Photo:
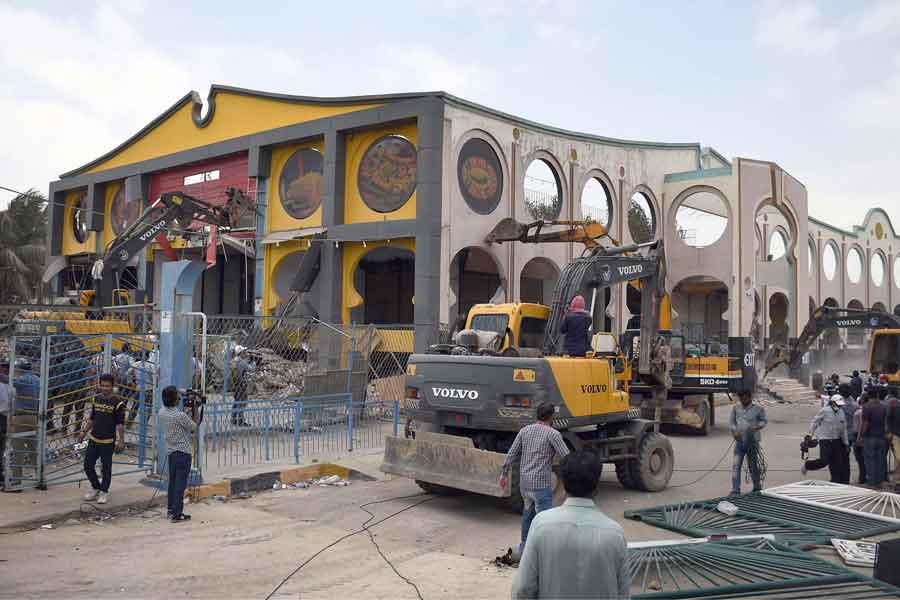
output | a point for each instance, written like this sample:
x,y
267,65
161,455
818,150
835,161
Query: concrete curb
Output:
x,y
264,481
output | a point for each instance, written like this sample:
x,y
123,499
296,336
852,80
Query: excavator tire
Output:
x,y
654,464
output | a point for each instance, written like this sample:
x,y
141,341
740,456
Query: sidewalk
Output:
x,y
30,509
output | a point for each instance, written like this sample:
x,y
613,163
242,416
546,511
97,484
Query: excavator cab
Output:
x,y
884,354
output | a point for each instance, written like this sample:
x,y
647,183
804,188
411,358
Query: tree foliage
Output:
x,y
639,224
23,234
543,206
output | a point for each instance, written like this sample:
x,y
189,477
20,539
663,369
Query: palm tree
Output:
x,y
23,231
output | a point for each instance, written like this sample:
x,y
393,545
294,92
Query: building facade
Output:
x,y
401,190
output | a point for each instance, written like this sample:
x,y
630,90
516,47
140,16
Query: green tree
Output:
x,y
543,206
23,235
639,224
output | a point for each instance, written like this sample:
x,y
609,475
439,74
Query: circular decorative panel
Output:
x,y
121,213
387,173
80,218
300,183
480,176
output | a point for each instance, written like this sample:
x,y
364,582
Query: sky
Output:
x,y
813,86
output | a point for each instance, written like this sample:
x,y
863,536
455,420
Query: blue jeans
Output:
x,y
740,451
535,502
179,469
875,455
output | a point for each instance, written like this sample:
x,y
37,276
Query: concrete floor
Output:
x,y
244,548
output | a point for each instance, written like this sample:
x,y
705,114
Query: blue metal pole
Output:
x,y
350,388
266,421
396,417
297,408
142,427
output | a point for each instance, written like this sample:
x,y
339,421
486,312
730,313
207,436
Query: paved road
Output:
x,y
243,548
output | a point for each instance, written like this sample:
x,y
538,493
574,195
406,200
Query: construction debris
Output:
x,y
857,554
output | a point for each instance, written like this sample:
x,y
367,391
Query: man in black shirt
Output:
x,y
106,429
872,434
577,328
856,385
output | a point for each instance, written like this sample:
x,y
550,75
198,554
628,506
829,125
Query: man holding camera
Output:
x,y
179,434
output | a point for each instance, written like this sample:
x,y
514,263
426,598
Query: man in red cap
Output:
x,y
576,326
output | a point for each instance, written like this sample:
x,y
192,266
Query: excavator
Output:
x,y
468,401
884,352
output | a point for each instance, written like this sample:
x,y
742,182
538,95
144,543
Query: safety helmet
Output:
x,y
837,399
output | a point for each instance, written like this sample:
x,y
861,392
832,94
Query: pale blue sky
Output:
x,y
812,86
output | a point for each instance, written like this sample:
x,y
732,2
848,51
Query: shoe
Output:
x,y
103,498
91,495
181,517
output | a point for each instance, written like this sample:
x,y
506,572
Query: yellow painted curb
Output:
x,y
208,490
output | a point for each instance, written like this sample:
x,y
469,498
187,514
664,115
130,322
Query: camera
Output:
x,y
192,398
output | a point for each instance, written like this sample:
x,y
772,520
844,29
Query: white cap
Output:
x,y
838,399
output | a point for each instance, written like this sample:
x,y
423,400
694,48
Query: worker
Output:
x,y
892,428
830,427
575,551
747,421
872,435
857,441
576,326
178,429
856,385
850,407
106,427
534,448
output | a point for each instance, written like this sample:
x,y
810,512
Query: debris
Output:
x,y
855,553
220,498
73,522
301,485
510,559
47,526
276,485
330,480
727,508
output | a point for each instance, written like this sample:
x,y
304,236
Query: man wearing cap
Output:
x,y
830,427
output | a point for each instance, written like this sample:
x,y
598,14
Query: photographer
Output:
x,y
179,431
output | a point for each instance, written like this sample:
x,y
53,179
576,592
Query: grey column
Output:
x,y
428,224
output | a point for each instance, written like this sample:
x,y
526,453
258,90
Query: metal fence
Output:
x,y
55,378
277,389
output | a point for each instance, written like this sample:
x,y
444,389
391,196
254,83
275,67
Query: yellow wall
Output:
x,y
70,245
111,190
353,253
278,217
274,253
236,115
355,210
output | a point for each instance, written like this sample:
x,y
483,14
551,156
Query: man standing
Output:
x,y
575,551
893,429
850,407
872,433
830,427
856,385
534,448
179,431
747,420
106,428
576,326
856,440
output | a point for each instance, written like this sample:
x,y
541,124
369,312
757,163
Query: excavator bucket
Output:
x,y
448,460
507,230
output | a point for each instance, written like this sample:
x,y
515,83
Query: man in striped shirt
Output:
x,y
534,448
179,431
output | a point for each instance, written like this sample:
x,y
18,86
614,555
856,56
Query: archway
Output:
x,y
474,279
285,271
832,337
385,278
700,303
538,280
778,310
856,337
879,306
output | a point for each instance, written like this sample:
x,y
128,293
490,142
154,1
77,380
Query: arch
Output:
x,y
778,314
790,216
719,225
700,303
558,174
879,306
856,337
475,277
538,280
487,137
856,252
603,179
642,192
812,258
878,268
385,279
831,260
779,242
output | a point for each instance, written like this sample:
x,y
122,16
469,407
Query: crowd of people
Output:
x,y
862,420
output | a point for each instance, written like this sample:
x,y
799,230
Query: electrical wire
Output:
x,y
708,472
364,528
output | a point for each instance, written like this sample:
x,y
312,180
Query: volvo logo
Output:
x,y
631,270
849,322
152,231
439,392
593,388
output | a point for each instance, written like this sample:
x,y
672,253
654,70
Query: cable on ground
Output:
x,y
707,472
364,528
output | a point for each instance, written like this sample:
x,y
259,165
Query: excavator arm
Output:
x,y
826,318
541,232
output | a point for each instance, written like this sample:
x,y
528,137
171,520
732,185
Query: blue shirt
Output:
x,y
28,392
